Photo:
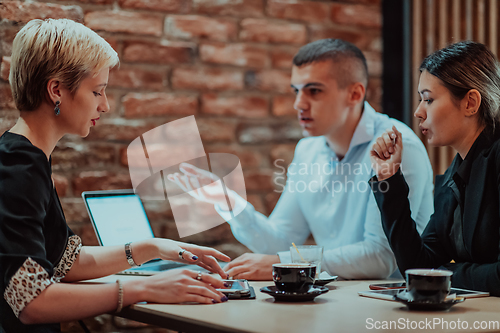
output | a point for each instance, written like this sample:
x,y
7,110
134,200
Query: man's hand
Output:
x,y
252,266
202,185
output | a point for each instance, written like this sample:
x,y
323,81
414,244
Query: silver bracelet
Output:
x,y
120,296
128,253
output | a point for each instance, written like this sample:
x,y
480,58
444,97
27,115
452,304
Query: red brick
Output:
x,y
207,79
7,120
159,153
282,57
129,77
242,8
217,235
374,62
216,130
279,177
281,156
257,203
365,2
170,6
286,130
123,156
376,44
61,184
126,22
100,180
194,26
112,42
87,234
95,2
265,31
249,158
158,210
235,54
138,105
273,80
6,100
258,180
283,105
374,93
240,106
362,39
69,156
309,11
271,199
5,68
163,53
75,213
112,102
357,15
117,129
7,35
18,11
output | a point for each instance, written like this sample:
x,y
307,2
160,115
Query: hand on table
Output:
x,y
198,255
386,153
179,286
202,185
252,266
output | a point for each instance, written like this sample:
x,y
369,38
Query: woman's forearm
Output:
x,y
98,261
66,301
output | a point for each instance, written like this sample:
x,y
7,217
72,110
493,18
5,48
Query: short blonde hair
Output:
x,y
55,49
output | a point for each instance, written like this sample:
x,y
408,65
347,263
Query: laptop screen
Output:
x,y
118,219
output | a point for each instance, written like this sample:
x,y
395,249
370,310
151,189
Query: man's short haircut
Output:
x,y
55,49
353,63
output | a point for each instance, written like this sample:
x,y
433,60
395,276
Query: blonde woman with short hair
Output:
x,y
59,73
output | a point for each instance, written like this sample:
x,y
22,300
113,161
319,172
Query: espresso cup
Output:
x,y
294,277
428,285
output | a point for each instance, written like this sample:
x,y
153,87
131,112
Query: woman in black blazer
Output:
x,y
58,75
460,99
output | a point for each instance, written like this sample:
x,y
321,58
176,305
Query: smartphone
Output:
x,y
383,286
236,289
387,294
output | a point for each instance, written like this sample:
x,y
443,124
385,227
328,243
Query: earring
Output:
x,y
57,111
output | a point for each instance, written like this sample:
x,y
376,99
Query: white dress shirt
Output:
x,y
332,200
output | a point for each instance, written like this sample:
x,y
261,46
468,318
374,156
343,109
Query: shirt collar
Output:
x,y
365,130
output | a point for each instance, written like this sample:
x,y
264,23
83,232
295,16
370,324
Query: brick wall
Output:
x,y
225,61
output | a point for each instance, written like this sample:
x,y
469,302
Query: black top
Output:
x,y
465,226
32,223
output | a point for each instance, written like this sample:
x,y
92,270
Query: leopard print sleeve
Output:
x,y
70,254
31,278
24,286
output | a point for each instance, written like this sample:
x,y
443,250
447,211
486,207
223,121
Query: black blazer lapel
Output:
x,y
473,202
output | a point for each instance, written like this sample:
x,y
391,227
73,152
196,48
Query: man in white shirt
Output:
x,y
327,192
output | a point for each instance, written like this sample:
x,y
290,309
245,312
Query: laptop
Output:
x,y
118,217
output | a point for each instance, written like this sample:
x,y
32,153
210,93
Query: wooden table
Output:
x,y
339,310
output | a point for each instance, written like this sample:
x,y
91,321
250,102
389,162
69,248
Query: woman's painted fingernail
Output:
x,y
226,284
224,298
194,257
227,276
214,301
